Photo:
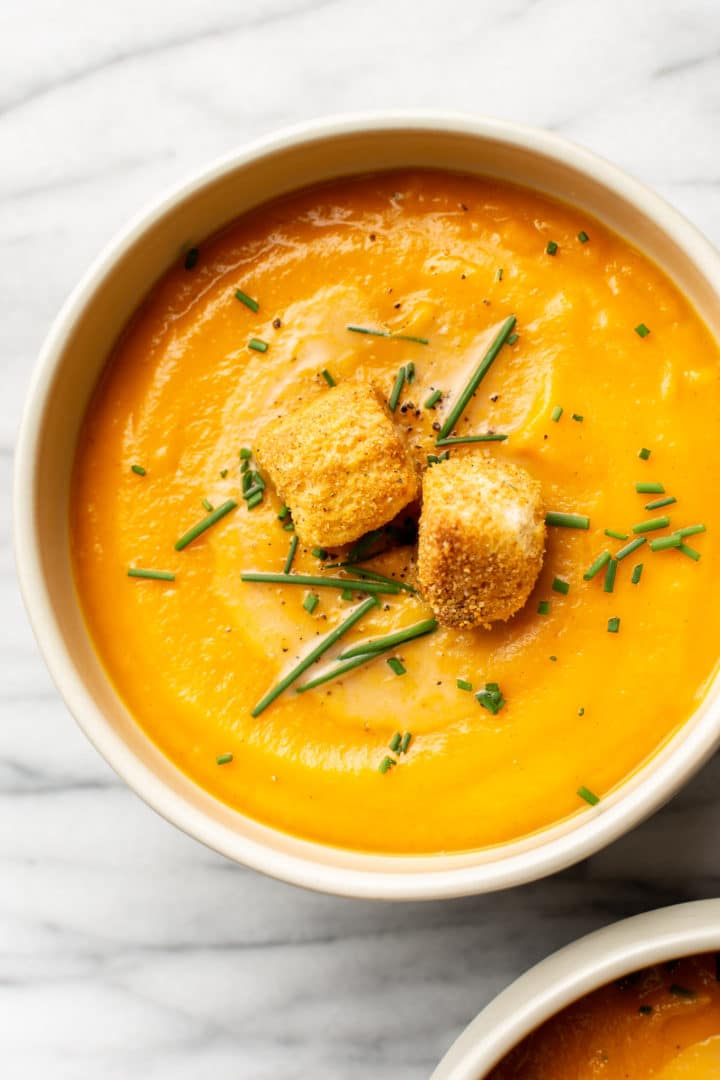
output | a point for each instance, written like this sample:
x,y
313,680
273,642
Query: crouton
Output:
x,y
339,464
481,540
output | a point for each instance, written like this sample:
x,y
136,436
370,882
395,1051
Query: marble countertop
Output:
x,y
125,948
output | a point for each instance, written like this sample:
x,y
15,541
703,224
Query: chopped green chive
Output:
x,y
389,641
433,399
247,481
254,500
251,489
206,505
544,607
690,552
206,523
667,501
346,594
152,575
396,390
245,453
664,542
311,601
491,698
463,684
289,527
387,762
435,459
335,672
319,553
405,742
224,759
283,512
560,586
458,440
645,487
290,555
637,573
328,377
257,345
597,566
245,465
387,334
372,575
513,338
644,453
499,274
578,417
551,248
556,413
583,237
191,258
395,742
642,330
478,375
396,666
609,583
690,530
588,795
410,372
652,523
567,521
139,470
613,626
326,643
629,548
246,300
615,534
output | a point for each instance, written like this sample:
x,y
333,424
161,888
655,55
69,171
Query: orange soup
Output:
x,y
663,1022
607,392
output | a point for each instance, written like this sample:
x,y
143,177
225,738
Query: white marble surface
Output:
x,y
125,948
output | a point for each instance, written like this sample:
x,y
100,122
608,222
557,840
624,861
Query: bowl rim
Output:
x,y
584,965
313,867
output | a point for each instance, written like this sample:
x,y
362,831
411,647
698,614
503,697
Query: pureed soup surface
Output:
x,y
446,258
663,1022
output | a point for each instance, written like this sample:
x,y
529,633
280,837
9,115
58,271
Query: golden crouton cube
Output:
x,y
481,540
339,464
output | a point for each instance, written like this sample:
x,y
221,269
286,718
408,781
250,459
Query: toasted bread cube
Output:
x,y
481,540
339,464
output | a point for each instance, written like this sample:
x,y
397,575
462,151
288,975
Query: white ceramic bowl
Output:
x,y
71,361
617,950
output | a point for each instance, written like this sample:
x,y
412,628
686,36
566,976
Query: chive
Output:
x,y
310,602
690,552
257,345
335,672
667,501
597,566
244,466
578,417
651,523
613,626
644,487
319,553
247,481
499,274
491,698
255,500
642,330
433,399
405,742
616,535
629,548
191,258
283,512
588,795
395,742
682,991
396,390
327,642
387,762
245,453
139,470
567,521
246,300
363,545
478,375
396,666
152,575
206,505
372,575
662,543
410,372
637,573
644,453
290,555
609,583
223,759
289,527
560,586
389,641
328,377
556,413
544,607
690,530
513,338
551,248
346,594
463,684
458,440
206,523
250,488
387,334
583,237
